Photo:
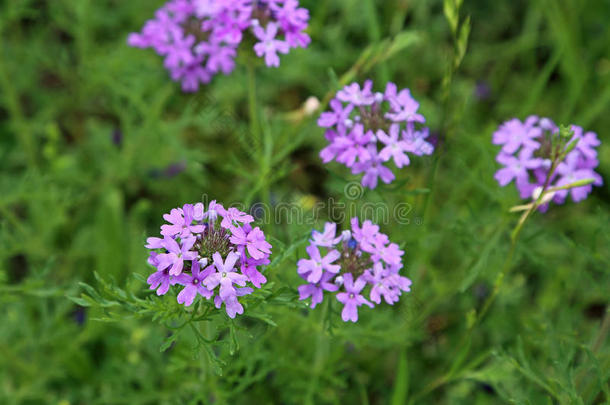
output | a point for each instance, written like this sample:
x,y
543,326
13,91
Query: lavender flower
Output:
x,y
252,240
213,253
193,284
315,266
359,259
527,154
366,130
351,298
199,38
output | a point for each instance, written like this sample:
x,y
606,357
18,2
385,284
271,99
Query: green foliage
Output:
x,y
96,143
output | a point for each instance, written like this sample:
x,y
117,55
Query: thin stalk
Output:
x,y
255,132
319,357
459,360
263,147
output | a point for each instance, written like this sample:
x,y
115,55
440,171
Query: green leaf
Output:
x,y
79,301
265,318
289,250
451,14
168,342
462,42
401,381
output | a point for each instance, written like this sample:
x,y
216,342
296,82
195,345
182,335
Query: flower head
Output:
x,y
201,252
530,156
359,259
199,38
367,130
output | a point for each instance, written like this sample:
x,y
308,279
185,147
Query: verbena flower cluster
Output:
x,y
214,253
351,263
526,154
199,38
366,129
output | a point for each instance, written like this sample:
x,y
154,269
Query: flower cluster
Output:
x,y
199,38
528,150
366,130
348,263
214,253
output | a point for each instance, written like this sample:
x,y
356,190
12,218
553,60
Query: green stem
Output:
x,y
255,132
319,357
459,360
263,147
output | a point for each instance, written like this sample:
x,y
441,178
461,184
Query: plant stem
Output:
x,y
319,357
253,109
458,361
262,143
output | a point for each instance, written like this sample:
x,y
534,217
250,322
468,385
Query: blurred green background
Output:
x,y
97,143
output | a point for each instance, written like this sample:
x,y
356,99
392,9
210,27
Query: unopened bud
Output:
x,y
548,196
311,105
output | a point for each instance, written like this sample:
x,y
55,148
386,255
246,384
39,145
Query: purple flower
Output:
x,y
353,146
159,280
386,284
193,284
513,134
338,116
268,45
250,269
404,108
373,170
366,235
517,169
234,215
198,212
326,238
390,254
362,252
207,8
395,148
199,38
176,255
232,305
316,265
316,290
416,141
527,153
221,58
351,298
362,122
214,210
154,243
180,54
253,241
572,170
181,221
191,76
356,96
198,237
586,143
225,275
